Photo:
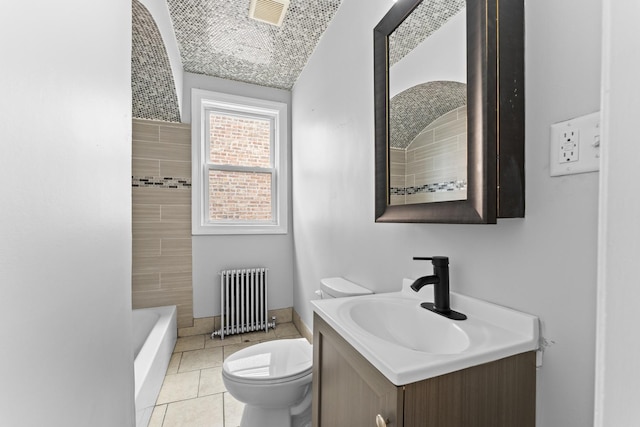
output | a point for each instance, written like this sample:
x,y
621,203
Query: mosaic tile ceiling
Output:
x,y
217,38
425,19
153,89
414,109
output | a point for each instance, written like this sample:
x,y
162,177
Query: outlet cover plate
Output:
x,y
575,145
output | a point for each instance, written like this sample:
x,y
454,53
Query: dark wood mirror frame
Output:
x,y
495,117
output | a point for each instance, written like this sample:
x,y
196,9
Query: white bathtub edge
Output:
x,y
151,364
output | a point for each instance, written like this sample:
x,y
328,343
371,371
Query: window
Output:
x,y
239,164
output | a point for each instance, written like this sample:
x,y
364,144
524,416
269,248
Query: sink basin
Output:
x,y
403,322
408,343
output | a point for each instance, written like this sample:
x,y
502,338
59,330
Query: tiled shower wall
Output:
x,y
161,219
434,166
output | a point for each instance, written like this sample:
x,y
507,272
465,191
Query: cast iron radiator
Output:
x,y
243,302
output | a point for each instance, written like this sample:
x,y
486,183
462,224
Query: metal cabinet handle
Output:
x,y
380,422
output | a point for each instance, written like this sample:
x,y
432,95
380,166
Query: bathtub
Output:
x,y
154,337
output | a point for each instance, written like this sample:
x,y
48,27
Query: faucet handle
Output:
x,y
439,261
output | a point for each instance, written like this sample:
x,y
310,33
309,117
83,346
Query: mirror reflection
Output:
x,y
427,105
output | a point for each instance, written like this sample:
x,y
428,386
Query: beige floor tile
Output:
x,y
201,359
157,417
258,336
232,411
217,342
287,330
195,342
282,315
230,349
179,387
205,411
174,363
200,326
211,382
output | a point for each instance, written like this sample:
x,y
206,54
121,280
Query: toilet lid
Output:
x,y
339,287
271,361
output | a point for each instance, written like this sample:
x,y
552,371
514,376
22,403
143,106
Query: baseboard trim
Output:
x,y
304,329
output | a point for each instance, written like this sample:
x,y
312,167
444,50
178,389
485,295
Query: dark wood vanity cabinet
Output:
x,y
349,391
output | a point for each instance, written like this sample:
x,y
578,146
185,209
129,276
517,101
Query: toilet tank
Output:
x,y
339,287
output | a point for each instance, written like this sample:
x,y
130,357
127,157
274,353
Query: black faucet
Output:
x,y
440,281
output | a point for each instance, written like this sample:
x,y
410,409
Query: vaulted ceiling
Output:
x,y
153,89
412,110
217,38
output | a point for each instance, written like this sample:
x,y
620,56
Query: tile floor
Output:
x,y
193,394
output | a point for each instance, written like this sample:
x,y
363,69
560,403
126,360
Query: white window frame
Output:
x,y
203,102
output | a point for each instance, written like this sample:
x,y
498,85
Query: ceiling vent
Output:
x,y
269,11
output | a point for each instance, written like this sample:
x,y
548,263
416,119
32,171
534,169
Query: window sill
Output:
x,y
212,230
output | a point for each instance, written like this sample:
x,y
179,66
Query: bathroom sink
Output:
x,y
408,343
403,322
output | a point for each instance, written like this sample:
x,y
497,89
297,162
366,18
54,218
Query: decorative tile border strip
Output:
x,y
157,182
437,187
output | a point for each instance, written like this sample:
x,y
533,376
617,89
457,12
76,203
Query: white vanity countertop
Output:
x,y
406,353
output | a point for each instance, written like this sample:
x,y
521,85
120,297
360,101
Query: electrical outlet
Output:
x,y
569,145
575,145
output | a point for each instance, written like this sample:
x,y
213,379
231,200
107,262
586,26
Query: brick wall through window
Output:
x,y
239,195
240,141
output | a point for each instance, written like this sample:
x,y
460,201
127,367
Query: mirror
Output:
x,y
449,114
427,105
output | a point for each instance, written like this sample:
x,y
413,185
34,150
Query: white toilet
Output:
x,y
273,378
339,287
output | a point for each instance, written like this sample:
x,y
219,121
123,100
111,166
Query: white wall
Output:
x,y
617,371
214,253
544,264
65,233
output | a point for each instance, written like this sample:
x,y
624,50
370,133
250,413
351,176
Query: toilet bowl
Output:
x,y
273,378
